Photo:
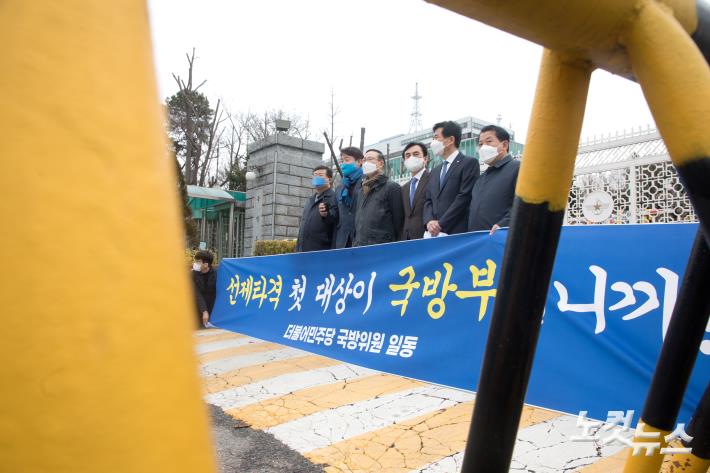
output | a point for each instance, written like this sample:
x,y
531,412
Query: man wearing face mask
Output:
x,y
320,214
346,193
413,192
448,192
493,194
379,214
204,280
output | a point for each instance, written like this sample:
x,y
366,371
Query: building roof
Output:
x,y
209,193
397,142
213,198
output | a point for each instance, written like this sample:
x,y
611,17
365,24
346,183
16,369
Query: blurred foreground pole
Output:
x,y
98,371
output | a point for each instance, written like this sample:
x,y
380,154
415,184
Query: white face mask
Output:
x,y
368,167
414,164
196,266
437,147
487,153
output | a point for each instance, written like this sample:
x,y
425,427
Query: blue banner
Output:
x,y
421,309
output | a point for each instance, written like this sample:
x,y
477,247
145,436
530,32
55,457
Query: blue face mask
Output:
x,y
348,168
318,181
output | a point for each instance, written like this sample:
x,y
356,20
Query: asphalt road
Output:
x,y
241,449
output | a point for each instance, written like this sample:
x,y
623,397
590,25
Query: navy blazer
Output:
x,y
413,221
449,204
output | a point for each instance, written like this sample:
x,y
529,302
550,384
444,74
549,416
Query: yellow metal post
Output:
x,y
97,371
685,463
641,462
675,79
589,29
698,459
538,211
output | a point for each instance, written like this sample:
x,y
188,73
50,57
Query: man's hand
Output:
x,y
433,227
493,230
205,318
322,210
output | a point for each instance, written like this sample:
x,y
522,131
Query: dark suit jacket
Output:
x,y
493,195
413,215
316,232
449,204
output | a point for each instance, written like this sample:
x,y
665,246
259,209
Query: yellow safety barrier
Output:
x,y
103,377
98,372
686,463
588,29
645,40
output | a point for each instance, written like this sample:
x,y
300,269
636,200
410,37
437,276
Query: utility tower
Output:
x,y
415,124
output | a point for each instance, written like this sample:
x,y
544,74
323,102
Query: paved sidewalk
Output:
x,y
344,418
241,449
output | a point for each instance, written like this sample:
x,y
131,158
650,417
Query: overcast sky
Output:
x,y
280,54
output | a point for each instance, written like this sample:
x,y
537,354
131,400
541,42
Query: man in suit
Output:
x,y
416,158
448,192
494,192
320,214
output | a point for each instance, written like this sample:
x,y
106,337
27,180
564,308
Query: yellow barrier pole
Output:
x,y
686,463
98,372
589,29
675,79
698,460
538,211
676,82
678,353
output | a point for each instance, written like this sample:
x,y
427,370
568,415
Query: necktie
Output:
x,y
412,190
442,179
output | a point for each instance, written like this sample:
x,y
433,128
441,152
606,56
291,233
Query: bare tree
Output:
x,y
213,144
210,145
190,118
259,127
300,127
242,128
234,145
334,111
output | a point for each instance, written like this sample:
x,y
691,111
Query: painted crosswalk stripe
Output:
x,y
409,444
548,447
203,348
544,447
612,464
352,419
401,447
209,332
324,428
273,387
252,374
255,347
217,367
615,463
216,336
309,401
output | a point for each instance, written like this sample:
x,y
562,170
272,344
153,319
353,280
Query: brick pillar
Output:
x,y
295,159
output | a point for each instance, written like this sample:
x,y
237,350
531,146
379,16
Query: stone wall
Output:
x,y
295,159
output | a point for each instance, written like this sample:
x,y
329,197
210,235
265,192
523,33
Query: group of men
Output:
x,y
454,197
